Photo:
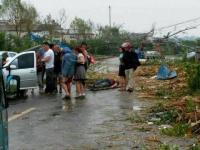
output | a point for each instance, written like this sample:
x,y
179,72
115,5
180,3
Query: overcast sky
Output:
x,y
134,15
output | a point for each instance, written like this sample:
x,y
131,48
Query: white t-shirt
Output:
x,y
81,57
49,64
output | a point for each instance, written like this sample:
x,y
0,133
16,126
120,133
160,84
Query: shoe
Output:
x,y
79,97
55,91
66,97
130,90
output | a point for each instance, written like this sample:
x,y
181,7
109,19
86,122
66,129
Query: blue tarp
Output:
x,y
35,37
62,45
164,73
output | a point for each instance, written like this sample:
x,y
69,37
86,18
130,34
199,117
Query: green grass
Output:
x,y
195,147
168,147
177,130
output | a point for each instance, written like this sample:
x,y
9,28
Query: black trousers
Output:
x,y
50,84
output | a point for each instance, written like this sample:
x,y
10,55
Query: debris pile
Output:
x,y
149,87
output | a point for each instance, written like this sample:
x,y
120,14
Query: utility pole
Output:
x,y
110,16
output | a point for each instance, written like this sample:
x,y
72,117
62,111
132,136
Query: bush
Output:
x,y
193,76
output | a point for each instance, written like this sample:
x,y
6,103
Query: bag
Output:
x,y
91,59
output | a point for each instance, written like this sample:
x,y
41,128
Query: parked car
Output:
x,y
22,69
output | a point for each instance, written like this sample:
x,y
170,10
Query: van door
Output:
x,y
3,116
23,65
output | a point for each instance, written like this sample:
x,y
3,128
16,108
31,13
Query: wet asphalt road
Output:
x,y
77,124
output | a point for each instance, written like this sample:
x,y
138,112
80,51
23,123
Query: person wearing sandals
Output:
x,y
80,72
68,70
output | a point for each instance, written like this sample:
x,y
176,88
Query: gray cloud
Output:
x,y
134,15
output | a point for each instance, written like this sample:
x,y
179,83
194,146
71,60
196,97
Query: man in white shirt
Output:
x,y
49,68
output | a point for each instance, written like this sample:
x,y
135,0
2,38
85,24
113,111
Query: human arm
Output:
x,y
46,59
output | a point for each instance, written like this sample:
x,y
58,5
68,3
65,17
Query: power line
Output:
x,y
191,20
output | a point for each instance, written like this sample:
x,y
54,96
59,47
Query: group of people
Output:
x,y
129,62
68,65
65,66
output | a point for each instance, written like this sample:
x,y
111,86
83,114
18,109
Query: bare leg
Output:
x,y
64,86
60,84
69,87
83,86
78,88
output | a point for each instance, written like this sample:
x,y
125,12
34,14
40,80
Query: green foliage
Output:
x,y
2,41
49,24
101,47
195,147
81,27
168,147
169,116
193,76
190,106
159,107
22,15
177,130
15,43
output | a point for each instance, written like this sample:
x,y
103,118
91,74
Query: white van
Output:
x,y
22,66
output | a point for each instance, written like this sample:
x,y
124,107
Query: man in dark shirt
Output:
x,y
131,63
57,66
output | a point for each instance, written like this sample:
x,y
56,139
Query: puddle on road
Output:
x,y
68,105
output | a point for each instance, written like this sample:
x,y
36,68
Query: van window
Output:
x,y
24,61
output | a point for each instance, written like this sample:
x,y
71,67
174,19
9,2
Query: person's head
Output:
x,y
45,46
66,50
83,45
121,49
78,50
56,48
126,46
51,46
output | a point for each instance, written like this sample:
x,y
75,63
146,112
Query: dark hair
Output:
x,y
78,49
122,48
51,46
83,43
45,43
